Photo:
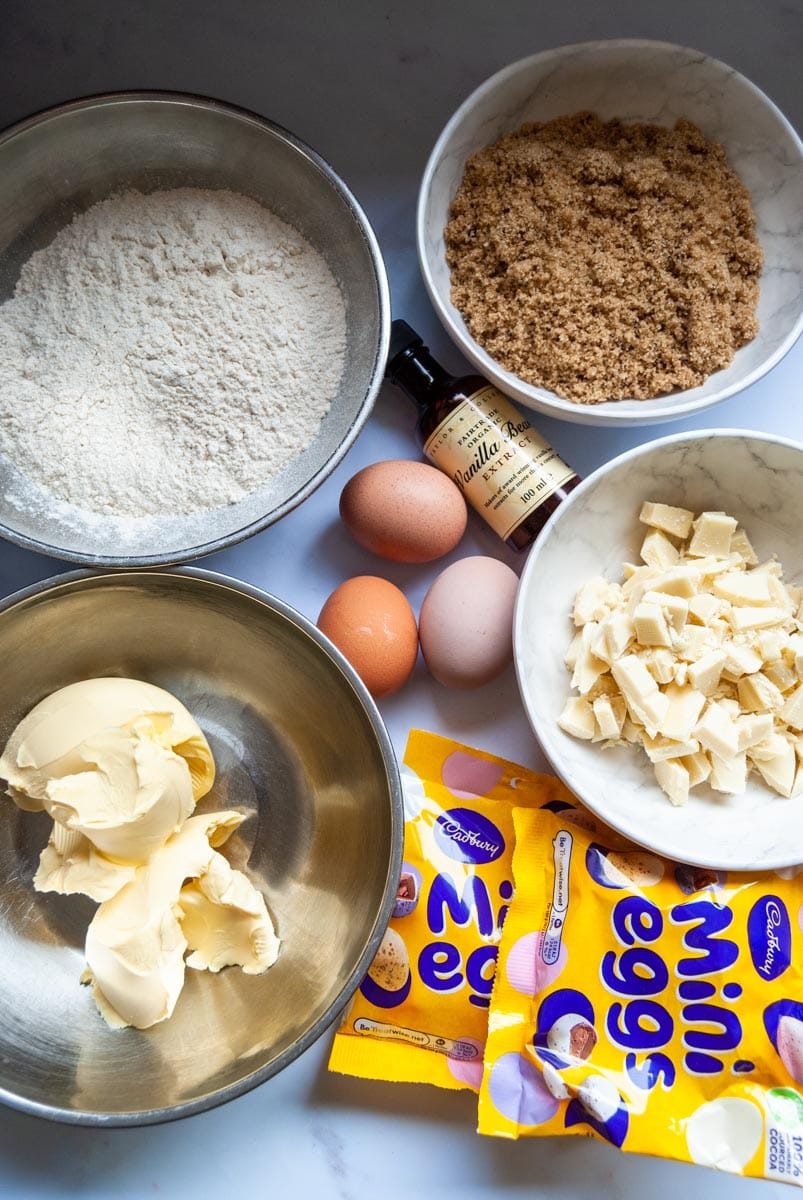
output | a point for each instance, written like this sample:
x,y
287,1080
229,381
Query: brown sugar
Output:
x,y
605,261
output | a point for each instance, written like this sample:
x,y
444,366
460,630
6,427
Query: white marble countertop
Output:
x,y
369,85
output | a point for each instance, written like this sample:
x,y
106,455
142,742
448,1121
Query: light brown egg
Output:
x,y
406,511
371,622
466,622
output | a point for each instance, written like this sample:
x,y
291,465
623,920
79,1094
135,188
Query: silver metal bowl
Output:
x,y
298,744
61,161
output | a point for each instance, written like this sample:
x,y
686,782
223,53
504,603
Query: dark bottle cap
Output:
x,y
403,339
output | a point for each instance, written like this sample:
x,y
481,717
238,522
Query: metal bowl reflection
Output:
x,y
298,744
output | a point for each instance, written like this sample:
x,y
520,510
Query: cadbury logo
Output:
x,y
769,935
468,836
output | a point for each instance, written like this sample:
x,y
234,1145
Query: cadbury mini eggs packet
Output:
x,y
654,1006
421,1013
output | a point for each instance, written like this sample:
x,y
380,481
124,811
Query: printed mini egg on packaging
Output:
x,y
406,511
370,621
466,622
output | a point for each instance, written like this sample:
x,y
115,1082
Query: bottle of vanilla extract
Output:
x,y
506,470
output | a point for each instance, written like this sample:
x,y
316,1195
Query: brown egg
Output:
x,y
466,622
371,622
406,511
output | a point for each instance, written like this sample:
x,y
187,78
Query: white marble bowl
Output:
x,y
759,480
635,81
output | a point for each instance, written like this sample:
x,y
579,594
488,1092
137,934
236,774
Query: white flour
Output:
x,y
167,353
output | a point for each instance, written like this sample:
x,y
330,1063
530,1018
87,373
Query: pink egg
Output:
x,y
526,971
468,1070
466,622
790,1046
467,776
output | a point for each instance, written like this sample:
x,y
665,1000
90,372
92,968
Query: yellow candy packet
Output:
x,y
421,1013
654,1006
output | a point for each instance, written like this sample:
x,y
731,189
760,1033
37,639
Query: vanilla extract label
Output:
x,y
496,458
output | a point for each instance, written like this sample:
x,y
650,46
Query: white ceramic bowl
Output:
x,y
635,81
757,479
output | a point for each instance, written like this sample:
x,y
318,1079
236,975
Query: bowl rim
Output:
x,y
540,399
380,279
537,724
81,580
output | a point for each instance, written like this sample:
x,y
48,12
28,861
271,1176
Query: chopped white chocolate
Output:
x,y
676,521
685,706
704,674
752,729
704,607
658,551
696,657
729,774
759,694
699,767
675,608
609,718
645,702
741,660
779,771
651,626
673,778
755,618
577,718
587,667
713,532
717,732
740,544
660,748
660,664
743,587
792,711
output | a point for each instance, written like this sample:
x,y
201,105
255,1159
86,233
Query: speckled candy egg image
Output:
x,y
406,511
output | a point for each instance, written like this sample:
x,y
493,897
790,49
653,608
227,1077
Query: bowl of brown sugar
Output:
x,y
613,232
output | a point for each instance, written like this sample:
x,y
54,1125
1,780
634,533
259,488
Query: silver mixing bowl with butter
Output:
x,y
61,161
298,745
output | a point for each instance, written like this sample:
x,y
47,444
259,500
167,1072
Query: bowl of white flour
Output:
x,y
194,321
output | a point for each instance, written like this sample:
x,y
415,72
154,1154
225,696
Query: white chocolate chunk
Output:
x,y
781,675
657,551
716,731
665,517
659,749
650,624
743,587
755,618
713,532
704,674
673,778
587,668
680,581
740,544
792,711
683,712
577,718
729,774
660,665
704,607
780,770
741,660
609,718
645,702
675,608
770,644
594,600
570,658
752,729
699,767
759,694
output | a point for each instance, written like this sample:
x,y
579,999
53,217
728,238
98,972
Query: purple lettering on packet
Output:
x,y
525,968
466,776
519,1093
